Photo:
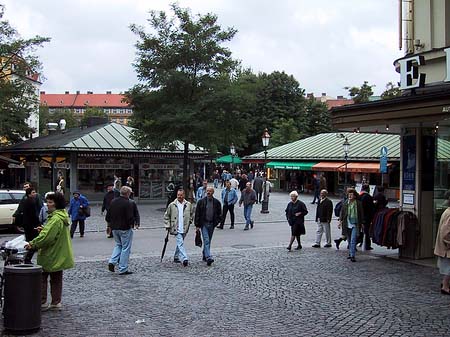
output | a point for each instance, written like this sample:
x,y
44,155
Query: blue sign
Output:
x,y
383,159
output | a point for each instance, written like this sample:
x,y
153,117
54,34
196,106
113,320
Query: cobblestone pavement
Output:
x,y
253,292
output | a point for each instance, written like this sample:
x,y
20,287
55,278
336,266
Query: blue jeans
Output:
x,y
122,250
207,233
180,251
216,183
353,237
248,214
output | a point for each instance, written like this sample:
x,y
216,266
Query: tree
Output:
x,y
183,66
19,69
391,91
92,112
285,131
46,117
317,118
361,94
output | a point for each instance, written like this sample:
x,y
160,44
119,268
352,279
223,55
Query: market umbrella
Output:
x,y
229,159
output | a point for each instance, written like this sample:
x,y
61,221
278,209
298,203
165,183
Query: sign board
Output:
x,y
383,159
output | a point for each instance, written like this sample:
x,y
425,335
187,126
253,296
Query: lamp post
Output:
x,y
233,153
266,190
346,146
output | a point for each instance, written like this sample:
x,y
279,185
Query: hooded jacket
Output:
x,y
54,244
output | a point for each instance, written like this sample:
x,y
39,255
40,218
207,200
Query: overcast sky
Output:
x,y
325,44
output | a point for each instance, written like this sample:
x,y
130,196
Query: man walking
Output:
x,y
248,198
177,219
258,187
316,187
201,191
324,213
207,216
123,216
229,199
108,197
234,182
368,211
76,211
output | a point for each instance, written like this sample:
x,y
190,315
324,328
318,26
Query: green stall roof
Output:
x,y
228,159
303,166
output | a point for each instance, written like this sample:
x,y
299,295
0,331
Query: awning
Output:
x,y
229,159
362,167
327,166
303,166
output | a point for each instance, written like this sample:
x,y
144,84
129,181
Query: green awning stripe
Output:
x,y
303,166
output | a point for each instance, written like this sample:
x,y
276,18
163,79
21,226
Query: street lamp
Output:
x,y
346,147
265,143
233,153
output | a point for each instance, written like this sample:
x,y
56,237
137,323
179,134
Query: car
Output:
x,y
9,201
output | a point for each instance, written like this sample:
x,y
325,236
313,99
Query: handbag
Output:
x,y
86,211
198,239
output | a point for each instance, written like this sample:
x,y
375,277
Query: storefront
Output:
x,y
90,158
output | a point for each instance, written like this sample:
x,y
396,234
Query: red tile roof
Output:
x,y
82,100
331,103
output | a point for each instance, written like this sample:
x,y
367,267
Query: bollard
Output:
x,y
22,292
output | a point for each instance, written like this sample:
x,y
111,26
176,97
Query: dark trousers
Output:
x,y
74,225
316,195
226,208
366,234
56,281
258,196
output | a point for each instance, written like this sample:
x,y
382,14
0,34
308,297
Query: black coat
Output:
x,y
30,218
368,207
200,212
324,210
293,208
123,214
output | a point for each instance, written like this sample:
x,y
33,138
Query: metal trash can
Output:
x,y
22,292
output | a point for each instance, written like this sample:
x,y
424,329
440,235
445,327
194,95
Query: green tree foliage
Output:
x,y
184,68
18,95
92,112
285,131
45,117
391,91
317,118
361,94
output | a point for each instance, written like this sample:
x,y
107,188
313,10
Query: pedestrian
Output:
x,y
324,213
208,215
30,220
351,220
234,182
379,199
368,210
130,184
60,186
123,217
201,191
17,217
216,178
248,198
229,199
322,182
177,220
258,187
442,247
54,250
316,188
78,204
266,189
295,215
107,199
117,183
243,182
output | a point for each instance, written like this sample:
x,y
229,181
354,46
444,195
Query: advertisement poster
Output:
x,y
409,163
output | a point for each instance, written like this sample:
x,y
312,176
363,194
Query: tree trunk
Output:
x,y
185,168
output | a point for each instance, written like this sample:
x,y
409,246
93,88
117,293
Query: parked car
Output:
x,y
9,201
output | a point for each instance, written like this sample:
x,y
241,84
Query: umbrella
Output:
x,y
165,245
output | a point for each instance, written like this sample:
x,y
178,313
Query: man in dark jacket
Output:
x,y
258,187
369,210
208,215
123,216
109,196
324,212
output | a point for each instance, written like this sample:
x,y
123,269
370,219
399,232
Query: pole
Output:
x,y
265,202
345,173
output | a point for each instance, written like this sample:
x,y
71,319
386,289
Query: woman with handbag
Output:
x,y
295,215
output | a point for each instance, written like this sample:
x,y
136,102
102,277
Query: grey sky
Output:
x,y
325,44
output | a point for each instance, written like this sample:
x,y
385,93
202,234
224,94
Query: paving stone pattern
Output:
x,y
253,292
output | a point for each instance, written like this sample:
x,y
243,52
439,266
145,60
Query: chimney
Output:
x,y
108,92
324,94
78,92
66,92
42,92
340,97
310,95
89,92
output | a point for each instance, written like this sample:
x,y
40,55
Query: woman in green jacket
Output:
x,y
54,249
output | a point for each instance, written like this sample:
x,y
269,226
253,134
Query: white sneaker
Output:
x,y
45,307
55,306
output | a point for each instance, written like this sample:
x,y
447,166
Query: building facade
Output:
x,y
113,105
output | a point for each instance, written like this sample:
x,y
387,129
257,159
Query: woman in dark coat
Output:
x,y
295,215
30,219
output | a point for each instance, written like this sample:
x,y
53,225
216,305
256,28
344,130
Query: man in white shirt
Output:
x,y
234,183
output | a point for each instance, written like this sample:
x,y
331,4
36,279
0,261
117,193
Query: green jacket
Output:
x,y
54,244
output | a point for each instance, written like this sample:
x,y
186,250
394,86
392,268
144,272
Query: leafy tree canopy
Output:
x,y
45,117
92,112
391,91
19,68
361,94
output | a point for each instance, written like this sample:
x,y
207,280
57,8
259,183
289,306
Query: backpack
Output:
x,y
337,208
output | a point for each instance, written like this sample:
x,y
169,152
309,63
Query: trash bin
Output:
x,y
22,292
